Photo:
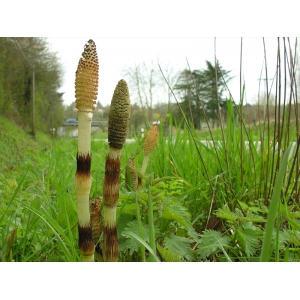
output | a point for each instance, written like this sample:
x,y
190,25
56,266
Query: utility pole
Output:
x,y
33,100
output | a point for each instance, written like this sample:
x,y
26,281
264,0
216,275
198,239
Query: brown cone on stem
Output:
x,y
86,85
118,123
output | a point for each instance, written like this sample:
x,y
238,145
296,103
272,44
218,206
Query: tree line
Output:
x,y
200,94
30,76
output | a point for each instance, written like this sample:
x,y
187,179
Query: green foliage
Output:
x,y
131,243
180,245
17,58
273,210
173,210
248,237
200,93
168,255
212,242
225,213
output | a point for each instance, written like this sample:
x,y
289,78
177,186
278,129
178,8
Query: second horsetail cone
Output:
x,y
119,116
86,82
149,145
151,139
118,123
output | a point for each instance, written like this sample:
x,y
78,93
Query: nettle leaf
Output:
x,y
258,207
172,210
283,239
167,255
249,238
122,222
212,242
292,236
249,225
130,209
226,213
180,245
130,243
294,214
255,218
243,205
239,213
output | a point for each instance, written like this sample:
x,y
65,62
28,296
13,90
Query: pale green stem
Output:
x,y
145,164
151,223
110,219
85,116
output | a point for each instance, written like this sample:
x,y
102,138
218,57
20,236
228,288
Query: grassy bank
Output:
x,y
232,199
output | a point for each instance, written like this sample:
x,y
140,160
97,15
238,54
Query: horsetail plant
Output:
x,y
149,145
131,177
86,85
118,123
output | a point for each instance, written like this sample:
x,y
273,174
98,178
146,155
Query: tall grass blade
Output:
x,y
151,222
56,231
132,234
273,209
140,225
14,195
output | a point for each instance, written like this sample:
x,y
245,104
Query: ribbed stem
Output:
x,y
110,199
86,84
118,122
145,164
83,185
85,116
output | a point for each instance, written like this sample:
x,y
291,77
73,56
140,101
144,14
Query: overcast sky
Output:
x,y
116,54
131,32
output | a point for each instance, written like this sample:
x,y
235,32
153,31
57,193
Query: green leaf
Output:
x,y
179,245
255,218
249,238
136,237
173,210
132,243
226,213
212,242
129,208
167,255
243,205
292,236
284,238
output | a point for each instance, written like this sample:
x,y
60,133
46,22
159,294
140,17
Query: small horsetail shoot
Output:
x,y
149,145
86,89
118,123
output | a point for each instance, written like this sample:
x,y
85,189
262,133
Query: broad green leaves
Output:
x,y
212,242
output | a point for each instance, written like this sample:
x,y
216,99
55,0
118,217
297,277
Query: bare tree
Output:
x,y
143,81
148,87
172,77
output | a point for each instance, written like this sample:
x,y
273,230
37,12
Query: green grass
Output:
x,y
99,134
38,200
